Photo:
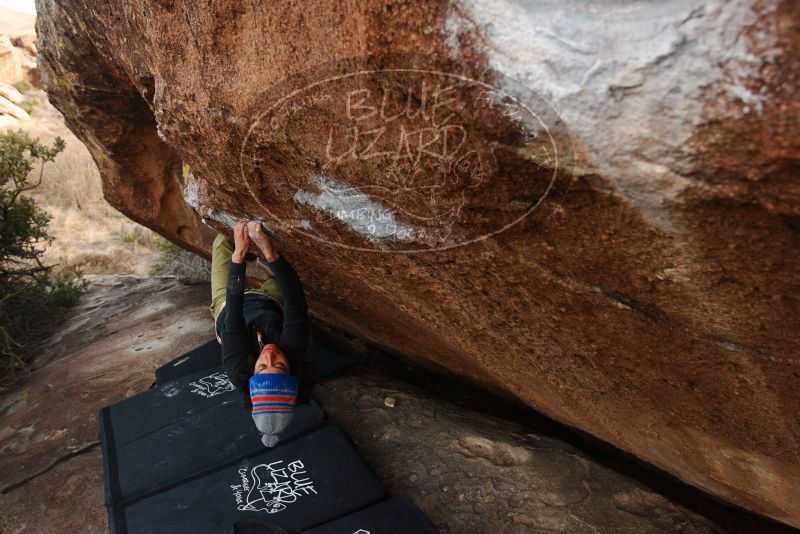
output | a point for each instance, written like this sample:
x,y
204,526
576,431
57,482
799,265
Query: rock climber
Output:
x,y
263,331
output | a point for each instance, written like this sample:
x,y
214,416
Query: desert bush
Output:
x,y
134,234
32,297
179,262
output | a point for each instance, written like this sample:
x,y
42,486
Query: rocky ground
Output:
x,y
474,473
470,471
109,348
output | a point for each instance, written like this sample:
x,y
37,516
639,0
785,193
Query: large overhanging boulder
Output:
x,y
613,238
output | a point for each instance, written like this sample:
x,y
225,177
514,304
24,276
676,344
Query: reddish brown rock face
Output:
x,y
613,239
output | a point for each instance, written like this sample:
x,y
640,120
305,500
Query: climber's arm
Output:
x,y
294,336
235,342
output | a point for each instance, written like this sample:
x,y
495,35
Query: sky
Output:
x,y
26,6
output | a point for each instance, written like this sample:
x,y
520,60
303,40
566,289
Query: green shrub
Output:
x,y
32,297
23,86
27,106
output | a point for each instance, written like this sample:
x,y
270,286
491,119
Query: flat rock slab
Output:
x,y
123,328
470,472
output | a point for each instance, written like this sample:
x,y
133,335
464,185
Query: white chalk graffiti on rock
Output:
x,y
212,385
271,487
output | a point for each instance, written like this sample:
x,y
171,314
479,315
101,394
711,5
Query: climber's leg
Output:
x,y
221,252
270,288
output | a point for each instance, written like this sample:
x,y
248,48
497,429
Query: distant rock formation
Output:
x,y
18,47
10,112
594,208
17,63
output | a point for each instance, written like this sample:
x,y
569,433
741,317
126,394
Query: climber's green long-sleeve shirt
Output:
x,y
243,314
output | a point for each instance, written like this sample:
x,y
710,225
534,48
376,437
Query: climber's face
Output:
x,y
272,360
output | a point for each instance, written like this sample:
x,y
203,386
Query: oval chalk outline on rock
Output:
x,y
462,78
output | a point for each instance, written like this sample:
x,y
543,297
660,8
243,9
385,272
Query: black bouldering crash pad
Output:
x,y
397,515
198,443
165,404
308,481
325,362
204,357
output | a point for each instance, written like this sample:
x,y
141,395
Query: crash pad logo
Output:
x,y
212,385
402,159
272,487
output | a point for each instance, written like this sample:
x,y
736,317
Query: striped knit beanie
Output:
x,y
274,397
